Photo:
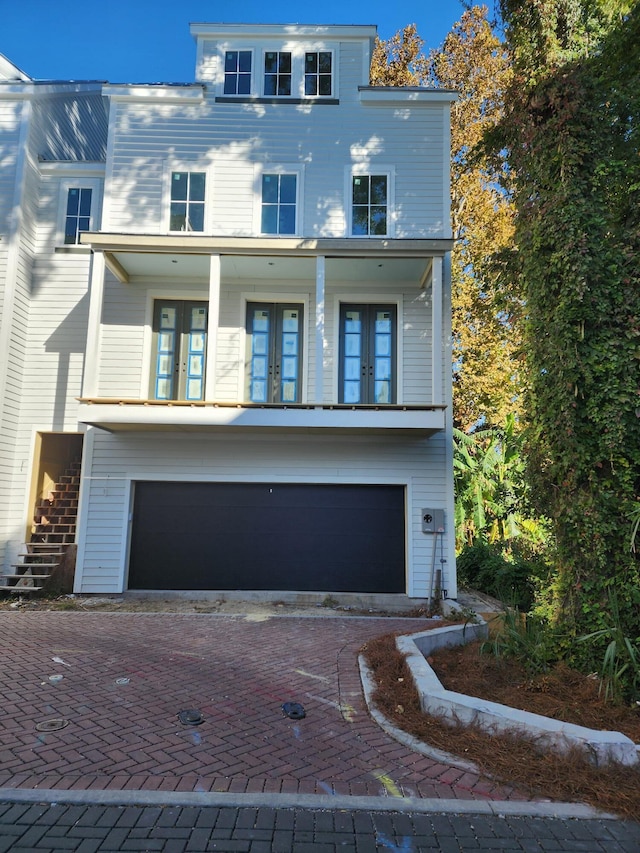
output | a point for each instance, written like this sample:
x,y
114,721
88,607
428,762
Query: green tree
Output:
x,y
492,494
573,135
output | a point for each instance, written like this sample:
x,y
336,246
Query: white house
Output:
x,y
225,323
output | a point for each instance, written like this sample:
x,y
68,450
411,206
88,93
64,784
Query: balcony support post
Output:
x,y
212,328
94,323
436,331
320,335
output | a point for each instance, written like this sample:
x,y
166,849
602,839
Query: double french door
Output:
x,y
274,352
367,354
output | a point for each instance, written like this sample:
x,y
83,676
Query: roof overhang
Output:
x,y
131,255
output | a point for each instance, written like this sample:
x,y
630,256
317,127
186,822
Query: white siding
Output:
x,y
230,140
10,112
125,363
119,460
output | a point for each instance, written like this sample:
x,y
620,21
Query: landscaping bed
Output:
x,y
508,758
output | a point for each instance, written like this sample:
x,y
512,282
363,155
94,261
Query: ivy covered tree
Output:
x,y
573,136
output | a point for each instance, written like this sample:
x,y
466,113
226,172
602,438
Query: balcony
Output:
x,y
114,415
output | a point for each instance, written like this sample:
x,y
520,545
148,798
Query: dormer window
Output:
x,y
237,72
277,73
317,73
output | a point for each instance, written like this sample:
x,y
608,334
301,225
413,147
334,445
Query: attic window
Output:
x,y
237,72
277,73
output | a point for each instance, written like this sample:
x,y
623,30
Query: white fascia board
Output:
x,y
72,168
405,95
116,417
161,93
291,31
13,91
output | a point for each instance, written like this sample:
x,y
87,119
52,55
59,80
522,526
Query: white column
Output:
x,y
212,327
436,332
320,280
90,382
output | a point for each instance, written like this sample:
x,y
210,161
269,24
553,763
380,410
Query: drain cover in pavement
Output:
x,y
294,710
51,725
190,717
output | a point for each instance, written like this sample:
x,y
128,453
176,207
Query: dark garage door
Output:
x,y
268,536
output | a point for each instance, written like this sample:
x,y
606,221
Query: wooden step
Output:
x,y
19,589
35,565
25,576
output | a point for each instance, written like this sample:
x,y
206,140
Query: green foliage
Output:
x,y
492,494
528,639
506,575
573,135
620,664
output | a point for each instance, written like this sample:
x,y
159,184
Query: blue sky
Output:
x,y
147,41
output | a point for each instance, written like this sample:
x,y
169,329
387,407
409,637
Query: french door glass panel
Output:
x,y
180,338
274,335
367,363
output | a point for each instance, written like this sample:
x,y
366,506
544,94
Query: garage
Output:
x,y
268,536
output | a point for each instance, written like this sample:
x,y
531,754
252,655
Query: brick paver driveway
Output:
x,y
127,675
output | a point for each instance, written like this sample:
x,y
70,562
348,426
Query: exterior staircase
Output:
x,y
54,530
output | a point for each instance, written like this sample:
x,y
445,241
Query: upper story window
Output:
x,y
369,210
279,194
277,73
78,215
237,72
318,73
187,201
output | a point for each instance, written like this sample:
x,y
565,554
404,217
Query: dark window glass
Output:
x,y
278,204
237,72
367,354
277,73
187,201
317,73
78,214
179,181
369,205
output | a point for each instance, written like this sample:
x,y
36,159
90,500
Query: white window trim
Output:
x,y
171,166
282,298
269,169
334,71
298,51
222,58
95,185
371,169
373,298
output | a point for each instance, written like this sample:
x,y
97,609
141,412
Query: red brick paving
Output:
x,y
238,673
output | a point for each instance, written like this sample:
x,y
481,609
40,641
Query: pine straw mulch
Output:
x,y
509,758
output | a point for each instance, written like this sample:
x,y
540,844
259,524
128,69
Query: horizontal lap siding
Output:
x,y
125,314
195,457
10,113
231,139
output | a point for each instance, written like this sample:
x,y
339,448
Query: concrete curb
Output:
x,y
368,687
601,746
325,802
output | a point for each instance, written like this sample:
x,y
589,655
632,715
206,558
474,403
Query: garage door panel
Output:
x,y
347,538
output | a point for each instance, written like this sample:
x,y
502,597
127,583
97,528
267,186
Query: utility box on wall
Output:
x,y
433,521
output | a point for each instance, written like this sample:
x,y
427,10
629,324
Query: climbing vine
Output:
x,y
573,137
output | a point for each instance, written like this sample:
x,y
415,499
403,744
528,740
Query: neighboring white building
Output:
x,y
231,299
